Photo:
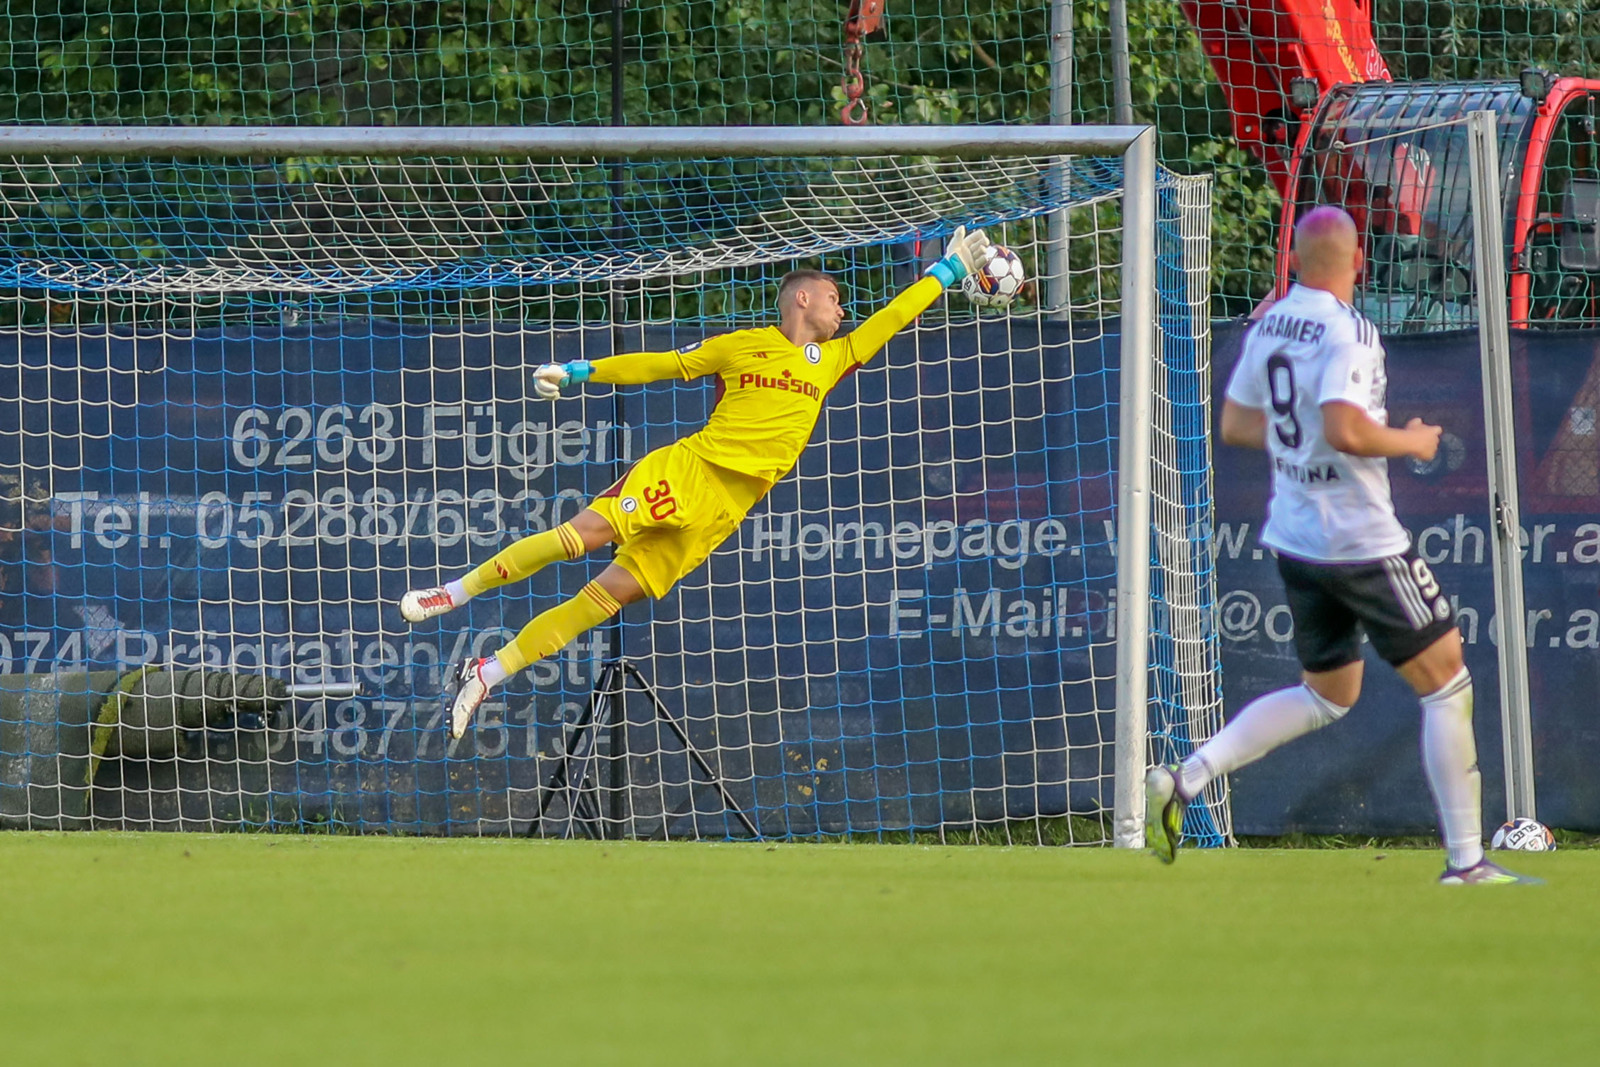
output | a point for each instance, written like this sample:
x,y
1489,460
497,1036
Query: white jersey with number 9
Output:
x,y
1327,506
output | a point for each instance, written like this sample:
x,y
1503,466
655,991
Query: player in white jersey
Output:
x,y
1309,388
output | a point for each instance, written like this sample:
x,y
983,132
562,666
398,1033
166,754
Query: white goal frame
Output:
x,y
1139,350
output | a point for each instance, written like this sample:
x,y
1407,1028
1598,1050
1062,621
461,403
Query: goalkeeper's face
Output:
x,y
815,311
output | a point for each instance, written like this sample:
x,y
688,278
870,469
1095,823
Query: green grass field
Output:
x,y
263,949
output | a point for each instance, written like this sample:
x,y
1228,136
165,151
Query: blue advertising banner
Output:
x,y
914,631
1363,774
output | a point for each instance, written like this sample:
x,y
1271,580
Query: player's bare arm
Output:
x,y
1353,431
1244,427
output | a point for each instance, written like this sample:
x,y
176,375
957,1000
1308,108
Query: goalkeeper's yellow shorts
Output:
x,y
671,510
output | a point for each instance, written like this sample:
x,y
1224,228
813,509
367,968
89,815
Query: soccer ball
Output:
x,y
998,282
1523,835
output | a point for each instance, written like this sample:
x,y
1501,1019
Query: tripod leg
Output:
x,y
621,799
586,810
713,779
547,793
567,777
583,783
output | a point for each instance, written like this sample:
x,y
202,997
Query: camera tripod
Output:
x,y
575,776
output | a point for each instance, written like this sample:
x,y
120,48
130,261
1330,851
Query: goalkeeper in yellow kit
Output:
x,y
676,505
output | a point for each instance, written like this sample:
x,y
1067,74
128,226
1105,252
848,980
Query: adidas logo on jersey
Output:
x,y
785,382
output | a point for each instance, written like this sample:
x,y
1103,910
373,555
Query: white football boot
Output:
x,y
470,692
420,605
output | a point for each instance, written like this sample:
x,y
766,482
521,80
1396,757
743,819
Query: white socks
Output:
x,y
458,593
1449,752
1450,758
491,672
1263,725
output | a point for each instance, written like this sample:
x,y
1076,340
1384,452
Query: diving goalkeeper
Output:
x,y
677,504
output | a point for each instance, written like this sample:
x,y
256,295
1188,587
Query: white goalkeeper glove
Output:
x,y
550,378
964,253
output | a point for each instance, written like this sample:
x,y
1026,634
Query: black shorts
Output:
x,y
1396,600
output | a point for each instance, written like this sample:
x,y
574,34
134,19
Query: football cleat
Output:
x,y
420,605
1485,872
1163,812
470,692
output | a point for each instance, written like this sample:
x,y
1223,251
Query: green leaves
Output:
x,y
447,62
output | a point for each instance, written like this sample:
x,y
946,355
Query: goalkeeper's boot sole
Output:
x,y
420,605
1163,812
470,692
1486,872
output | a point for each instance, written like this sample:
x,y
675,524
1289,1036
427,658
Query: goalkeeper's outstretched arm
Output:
x,y
965,253
638,368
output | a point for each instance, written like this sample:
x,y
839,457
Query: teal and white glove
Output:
x,y
550,378
964,253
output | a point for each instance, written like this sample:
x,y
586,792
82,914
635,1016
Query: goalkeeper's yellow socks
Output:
x,y
519,561
551,631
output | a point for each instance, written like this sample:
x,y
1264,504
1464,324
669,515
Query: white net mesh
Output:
x,y
345,225
256,402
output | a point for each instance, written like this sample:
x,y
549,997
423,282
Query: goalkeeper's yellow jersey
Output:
x,y
769,391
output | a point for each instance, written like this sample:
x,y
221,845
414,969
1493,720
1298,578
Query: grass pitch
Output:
x,y
262,949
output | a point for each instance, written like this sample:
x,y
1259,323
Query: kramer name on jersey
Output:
x,y
1327,506
1326,472
784,382
1307,331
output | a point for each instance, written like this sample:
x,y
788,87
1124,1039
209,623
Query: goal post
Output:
x,y
263,378
1500,444
1139,353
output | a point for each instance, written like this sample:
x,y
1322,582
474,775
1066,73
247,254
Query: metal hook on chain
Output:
x,y
854,83
864,17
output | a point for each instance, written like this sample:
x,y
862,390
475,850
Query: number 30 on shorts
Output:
x,y
1427,584
663,504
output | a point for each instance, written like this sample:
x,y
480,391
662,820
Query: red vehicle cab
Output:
x,y
1393,156
1312,98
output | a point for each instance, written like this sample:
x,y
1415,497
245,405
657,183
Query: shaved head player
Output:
x,y
1310,388
672,508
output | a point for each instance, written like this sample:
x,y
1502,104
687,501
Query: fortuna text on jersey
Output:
x,y
1306,475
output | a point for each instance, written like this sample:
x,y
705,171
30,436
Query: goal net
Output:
x,y
259,383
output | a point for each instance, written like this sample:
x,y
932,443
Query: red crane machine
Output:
x,y
1313,100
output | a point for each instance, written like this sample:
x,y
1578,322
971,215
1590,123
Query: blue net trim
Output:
x,y
370,225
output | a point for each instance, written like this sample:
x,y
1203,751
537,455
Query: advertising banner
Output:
x,y
1363,775
914,630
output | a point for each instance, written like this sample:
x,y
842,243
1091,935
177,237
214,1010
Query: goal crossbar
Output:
x,y
554,142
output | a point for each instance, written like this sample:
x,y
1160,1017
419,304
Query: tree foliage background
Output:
x,y
708,62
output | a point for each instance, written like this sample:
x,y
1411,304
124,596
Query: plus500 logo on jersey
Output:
x,y
785,382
